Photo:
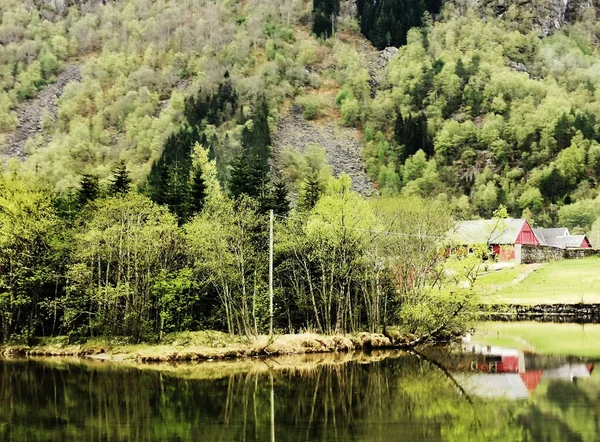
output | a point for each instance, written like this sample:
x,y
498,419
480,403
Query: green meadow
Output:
x,y
569,282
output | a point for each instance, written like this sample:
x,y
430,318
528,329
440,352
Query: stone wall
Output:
x,y
536,254
580,253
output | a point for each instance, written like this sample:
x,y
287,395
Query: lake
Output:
x,y
479,392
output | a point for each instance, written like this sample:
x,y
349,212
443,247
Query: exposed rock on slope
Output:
x,y
30,112
341,144
61,6
548,16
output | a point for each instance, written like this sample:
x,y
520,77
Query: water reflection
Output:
x,y
512,374
437,396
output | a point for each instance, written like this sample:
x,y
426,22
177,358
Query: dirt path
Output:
x,y
30,112
530,269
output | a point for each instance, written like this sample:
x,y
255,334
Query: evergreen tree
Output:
x,y
120,183
159,190
198,191
310,192
256,136
412,133
387,22
585,122
178,195
553,185
247,176
563,132
281,203
89,190
461,72
324,16
276,199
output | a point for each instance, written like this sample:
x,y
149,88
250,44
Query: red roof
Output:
x,y
531,379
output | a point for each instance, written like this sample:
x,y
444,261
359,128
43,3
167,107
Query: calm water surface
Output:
x,y
481,394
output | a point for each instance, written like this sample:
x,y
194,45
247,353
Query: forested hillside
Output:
x,y
501,115
156,136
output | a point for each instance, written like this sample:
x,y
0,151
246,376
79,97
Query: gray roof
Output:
x,y
493,385
487,231
547,237
568,242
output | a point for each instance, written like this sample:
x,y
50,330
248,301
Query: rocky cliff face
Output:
x,y
61,6
545,16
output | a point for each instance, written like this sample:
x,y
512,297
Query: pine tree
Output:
x,y
89,190
324,17
178,195
198,191
461,71
310,192
281,203
247,176
553,185
160,187
120,183
276,199
563,132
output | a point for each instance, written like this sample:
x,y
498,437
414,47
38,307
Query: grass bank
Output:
x,y
204,345
560,282
218,369
546,338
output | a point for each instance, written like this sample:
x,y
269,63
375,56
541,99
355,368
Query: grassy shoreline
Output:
x,y
202,346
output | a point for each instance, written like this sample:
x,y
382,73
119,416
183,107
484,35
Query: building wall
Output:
x,y
507,253
526,236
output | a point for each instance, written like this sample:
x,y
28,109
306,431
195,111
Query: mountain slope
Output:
x,y
36,112
475,109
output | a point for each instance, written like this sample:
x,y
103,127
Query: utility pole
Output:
x,y
271,274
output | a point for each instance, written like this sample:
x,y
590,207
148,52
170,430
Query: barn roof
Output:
x,y
487,231
494,385
571,241
547,237
559,237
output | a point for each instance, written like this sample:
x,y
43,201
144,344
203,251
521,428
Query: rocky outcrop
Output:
x,y
548,16
341,144
30,112
62,6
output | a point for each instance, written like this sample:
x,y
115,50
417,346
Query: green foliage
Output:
x,y
120,183
580,215
484,96
29,229
312,106
123,254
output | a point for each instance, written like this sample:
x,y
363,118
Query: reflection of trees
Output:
x,y
565,411
387,400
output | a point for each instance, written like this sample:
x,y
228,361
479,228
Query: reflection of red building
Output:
x,y
501,372
498,360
